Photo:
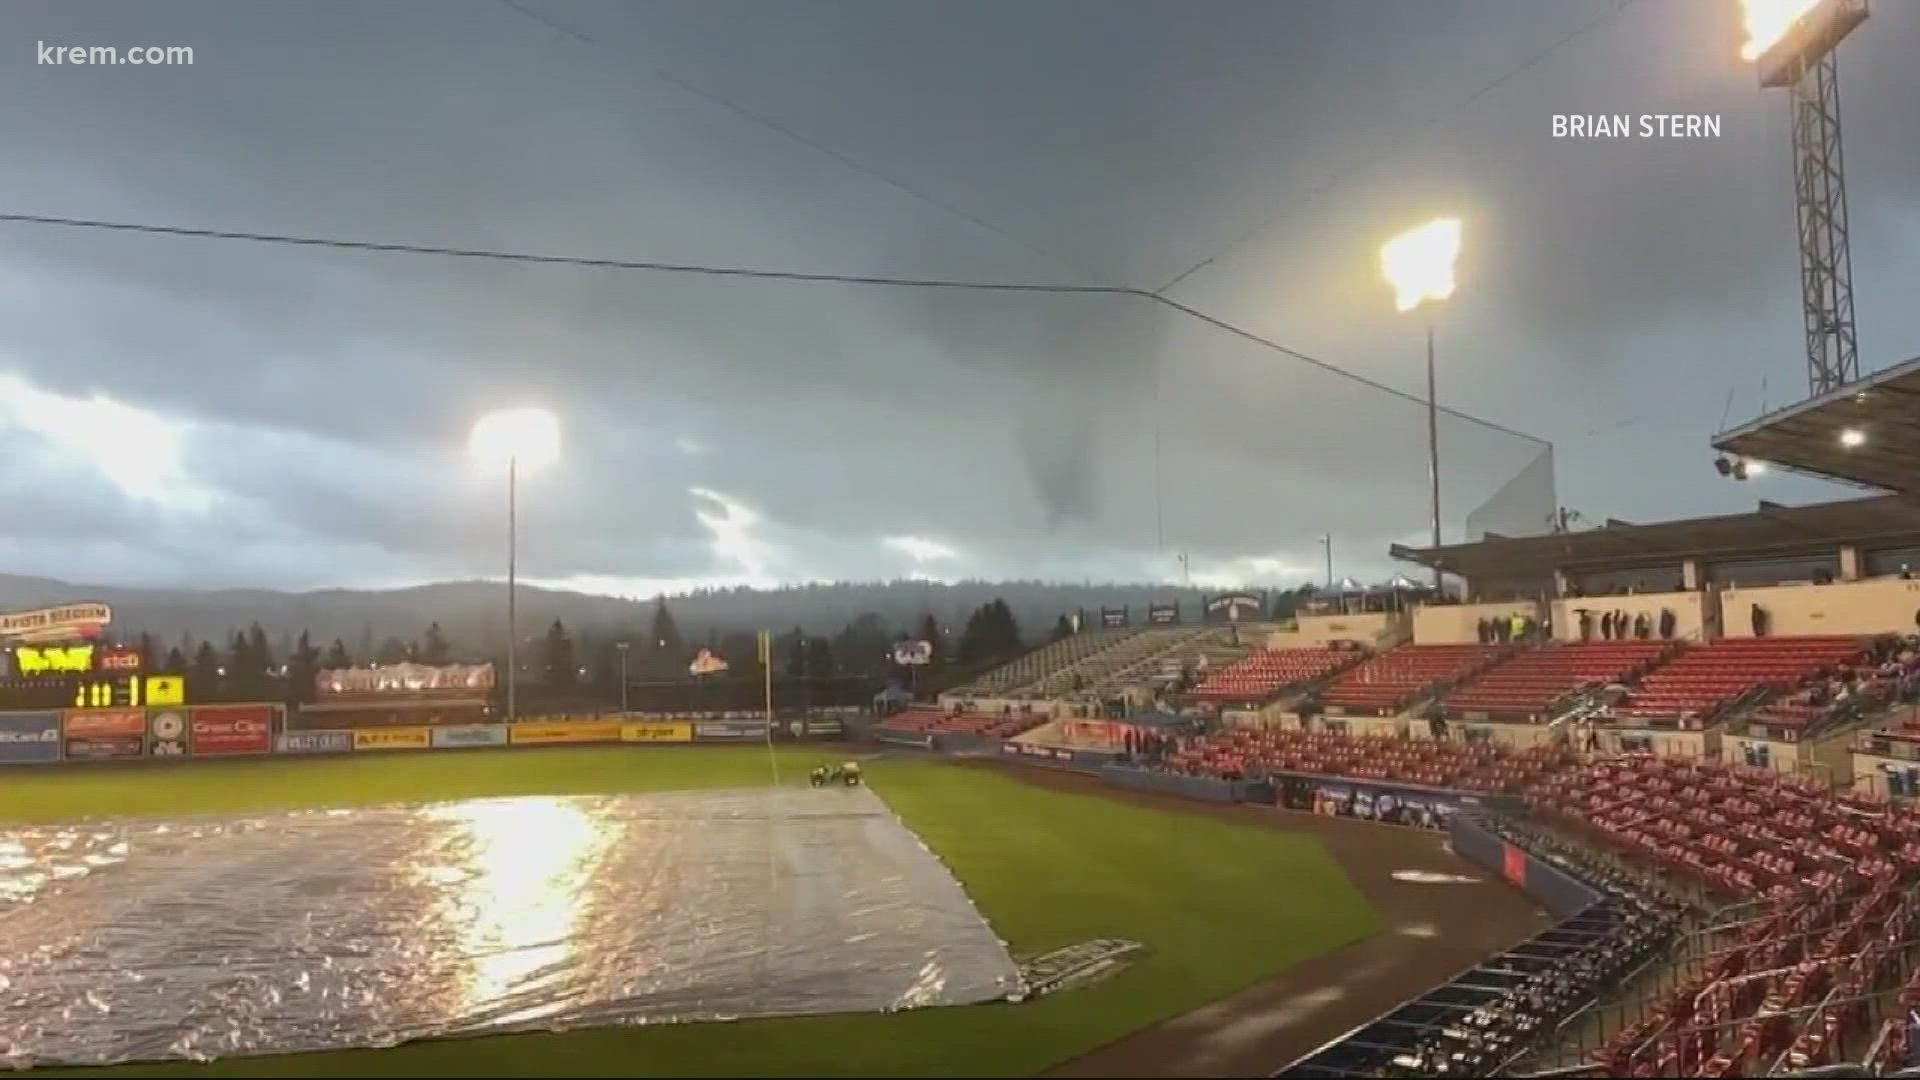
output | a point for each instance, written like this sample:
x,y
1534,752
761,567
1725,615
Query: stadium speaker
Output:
x,y
1723,466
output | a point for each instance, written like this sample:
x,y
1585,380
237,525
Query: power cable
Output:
x,y
697,269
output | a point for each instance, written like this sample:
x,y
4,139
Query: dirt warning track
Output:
x,y
1442,916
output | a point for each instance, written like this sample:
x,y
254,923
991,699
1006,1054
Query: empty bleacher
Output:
x,y
1534,682
1391,681
985,725
1016,677
1705,680
1092,668
1266,672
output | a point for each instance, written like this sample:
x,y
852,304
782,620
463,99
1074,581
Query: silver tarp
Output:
x,y
209,937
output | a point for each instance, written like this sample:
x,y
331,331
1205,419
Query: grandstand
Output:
x,y
1105,662
1391,681
1264,673
919,723
1018,677
1705,681
1539,682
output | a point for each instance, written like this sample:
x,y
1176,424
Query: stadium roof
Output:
x,y
1812,437
1878,521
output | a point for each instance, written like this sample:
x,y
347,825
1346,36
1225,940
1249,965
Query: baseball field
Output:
x,y
1220,904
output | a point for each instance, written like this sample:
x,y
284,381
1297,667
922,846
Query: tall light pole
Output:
x,y
1419,265
515,438
1326,541
623,676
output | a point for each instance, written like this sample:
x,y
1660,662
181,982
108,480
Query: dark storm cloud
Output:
x,y
1619,290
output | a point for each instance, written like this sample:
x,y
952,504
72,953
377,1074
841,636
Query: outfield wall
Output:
x,y
56,736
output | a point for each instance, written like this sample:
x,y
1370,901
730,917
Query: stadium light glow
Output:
x,y
1768,21
1419,262
1853,437
529,438
1756,468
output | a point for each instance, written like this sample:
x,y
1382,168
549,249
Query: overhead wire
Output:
x,y
744,272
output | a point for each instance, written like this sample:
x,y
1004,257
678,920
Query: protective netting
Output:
x,y
1526,505
210,937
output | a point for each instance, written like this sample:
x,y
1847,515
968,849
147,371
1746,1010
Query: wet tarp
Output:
x,y
210,937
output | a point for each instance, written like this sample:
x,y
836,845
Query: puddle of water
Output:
x,y
1428,877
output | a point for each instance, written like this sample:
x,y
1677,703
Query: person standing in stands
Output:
x,y
1667,622
1606,626
1642,626
1586,623
1759,621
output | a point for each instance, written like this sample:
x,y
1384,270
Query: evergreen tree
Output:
x,y
435,649
863,646
149,648
259,656
819,659
176,662
393,651
930,633
303,663
337,657
559,663
1062,628
665,652
205,668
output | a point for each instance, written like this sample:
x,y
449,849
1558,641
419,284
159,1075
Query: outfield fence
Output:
x,y
60,736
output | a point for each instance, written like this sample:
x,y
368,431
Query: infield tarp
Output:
x,y
213,937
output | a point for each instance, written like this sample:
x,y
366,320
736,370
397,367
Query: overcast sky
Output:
x,y
189,412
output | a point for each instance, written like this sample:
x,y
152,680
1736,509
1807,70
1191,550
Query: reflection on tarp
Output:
x,y
210,937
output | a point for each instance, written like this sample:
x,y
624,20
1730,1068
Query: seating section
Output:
x,y
1266,672
1536,681
1707,679
1393,680
1246,753
1081,677
1012,678
1819,884
934,722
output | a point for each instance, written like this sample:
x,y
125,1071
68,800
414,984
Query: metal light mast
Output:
x,y
1802,59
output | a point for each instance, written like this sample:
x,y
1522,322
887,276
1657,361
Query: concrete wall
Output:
x,y
1782,757
1459,624
1666,743
1517,736
1556,890
1696,614
1877,606
1374,628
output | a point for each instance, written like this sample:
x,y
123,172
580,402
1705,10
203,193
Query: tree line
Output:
x,y
248,664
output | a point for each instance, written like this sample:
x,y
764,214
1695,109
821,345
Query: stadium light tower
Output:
x,y
515,438
1792,44
1419,265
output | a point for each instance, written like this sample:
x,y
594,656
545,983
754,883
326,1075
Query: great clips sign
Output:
x,y
221,730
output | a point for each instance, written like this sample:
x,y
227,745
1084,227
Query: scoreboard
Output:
x,y
97,691
129,691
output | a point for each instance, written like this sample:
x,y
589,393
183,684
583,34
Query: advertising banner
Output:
x,y
1112,617
105,734
539,733
656,732
53,659
469,735
1163,614
314,742
1388,806
167,733
1514,865
730,730
913,653
1236,607
224,730
29,736
55,623
443,679
391,738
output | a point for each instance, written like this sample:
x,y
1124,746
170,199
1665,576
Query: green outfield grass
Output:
x,y
1220,906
